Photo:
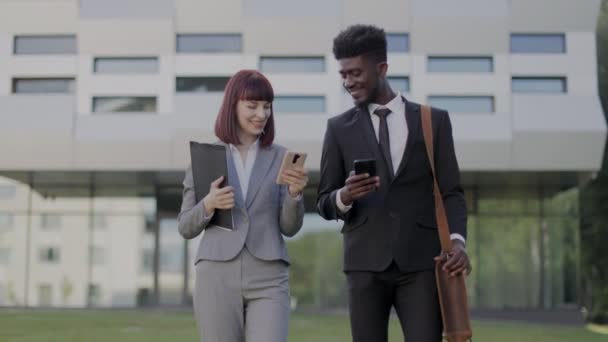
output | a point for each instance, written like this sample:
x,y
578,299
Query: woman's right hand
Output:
x,y
218,198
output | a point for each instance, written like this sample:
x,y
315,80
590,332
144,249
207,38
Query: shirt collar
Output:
x,y
393,105
252,147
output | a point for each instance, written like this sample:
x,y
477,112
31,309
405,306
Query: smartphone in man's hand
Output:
x,y
365,166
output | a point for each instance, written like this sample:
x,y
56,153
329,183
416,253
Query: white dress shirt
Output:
x,y
397,134
243,169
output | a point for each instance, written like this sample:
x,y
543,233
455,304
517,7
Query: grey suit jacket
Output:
x,y
267,213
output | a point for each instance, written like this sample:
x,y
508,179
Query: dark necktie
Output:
x,y
383,138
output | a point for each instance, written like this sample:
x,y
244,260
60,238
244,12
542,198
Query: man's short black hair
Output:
x,y
358,40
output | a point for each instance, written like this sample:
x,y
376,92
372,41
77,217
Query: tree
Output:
x,y
594,205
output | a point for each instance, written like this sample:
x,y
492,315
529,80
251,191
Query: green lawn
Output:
x,y
118,326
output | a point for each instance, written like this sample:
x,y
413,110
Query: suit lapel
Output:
x,y
261,167
412,117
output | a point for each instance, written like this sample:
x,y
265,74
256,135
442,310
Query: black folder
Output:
x,y
208,164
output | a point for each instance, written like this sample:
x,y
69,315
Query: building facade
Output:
x,y
99,98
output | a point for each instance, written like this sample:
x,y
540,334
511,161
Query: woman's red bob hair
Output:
x,y
244,85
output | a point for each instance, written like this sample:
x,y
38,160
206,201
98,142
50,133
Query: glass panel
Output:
x,y
47,45
171,275
50,254
299,104
13,264
292,64
50,221
513,200
14,195
397,42
538,84
399,83
201,84
562,261
121,247
538,43
192,250
460,64
7,191
59,200
126,65
464,104
316,278
100,221
509,262
5,256
97,255
201,43
43,86
7,221
124,104
59,258
45,295
94,295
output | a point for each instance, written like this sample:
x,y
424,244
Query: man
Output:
x,y
390,232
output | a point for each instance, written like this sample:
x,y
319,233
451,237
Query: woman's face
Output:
x,y
252,116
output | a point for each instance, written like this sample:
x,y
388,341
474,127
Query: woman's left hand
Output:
x,y
296,180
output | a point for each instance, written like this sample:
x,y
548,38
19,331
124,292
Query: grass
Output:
x,y
133,326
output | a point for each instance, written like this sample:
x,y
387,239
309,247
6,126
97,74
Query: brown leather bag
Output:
x,y
452,290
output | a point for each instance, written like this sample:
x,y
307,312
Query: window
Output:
x,y
43,85
45,295
50,221
538,85
126,65
118,104
45,45
94,294
209,43
460,64
100,221
397,42
538,43
464,104
7,220
97,255
5,256
299,104
7,191
49,255
292,64
147,261
201,84
399,83
171,259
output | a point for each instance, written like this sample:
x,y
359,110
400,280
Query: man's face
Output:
x,y
360,78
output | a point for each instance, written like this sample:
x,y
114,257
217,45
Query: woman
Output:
x,y
242,282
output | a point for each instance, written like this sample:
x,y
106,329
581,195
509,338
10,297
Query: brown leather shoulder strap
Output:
x,y
442,221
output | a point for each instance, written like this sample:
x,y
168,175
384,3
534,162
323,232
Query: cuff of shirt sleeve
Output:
x,y
341,206
456,236
297,198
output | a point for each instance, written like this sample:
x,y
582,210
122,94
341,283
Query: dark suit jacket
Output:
x,y
396,222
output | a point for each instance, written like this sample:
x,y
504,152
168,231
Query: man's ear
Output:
x,y
382,69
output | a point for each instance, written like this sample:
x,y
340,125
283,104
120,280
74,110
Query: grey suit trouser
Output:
x,y
244,299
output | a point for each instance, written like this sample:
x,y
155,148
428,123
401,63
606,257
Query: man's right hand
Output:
x,y
358,186
218,198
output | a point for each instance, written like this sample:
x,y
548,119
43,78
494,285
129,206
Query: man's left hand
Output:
x,y
457,260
